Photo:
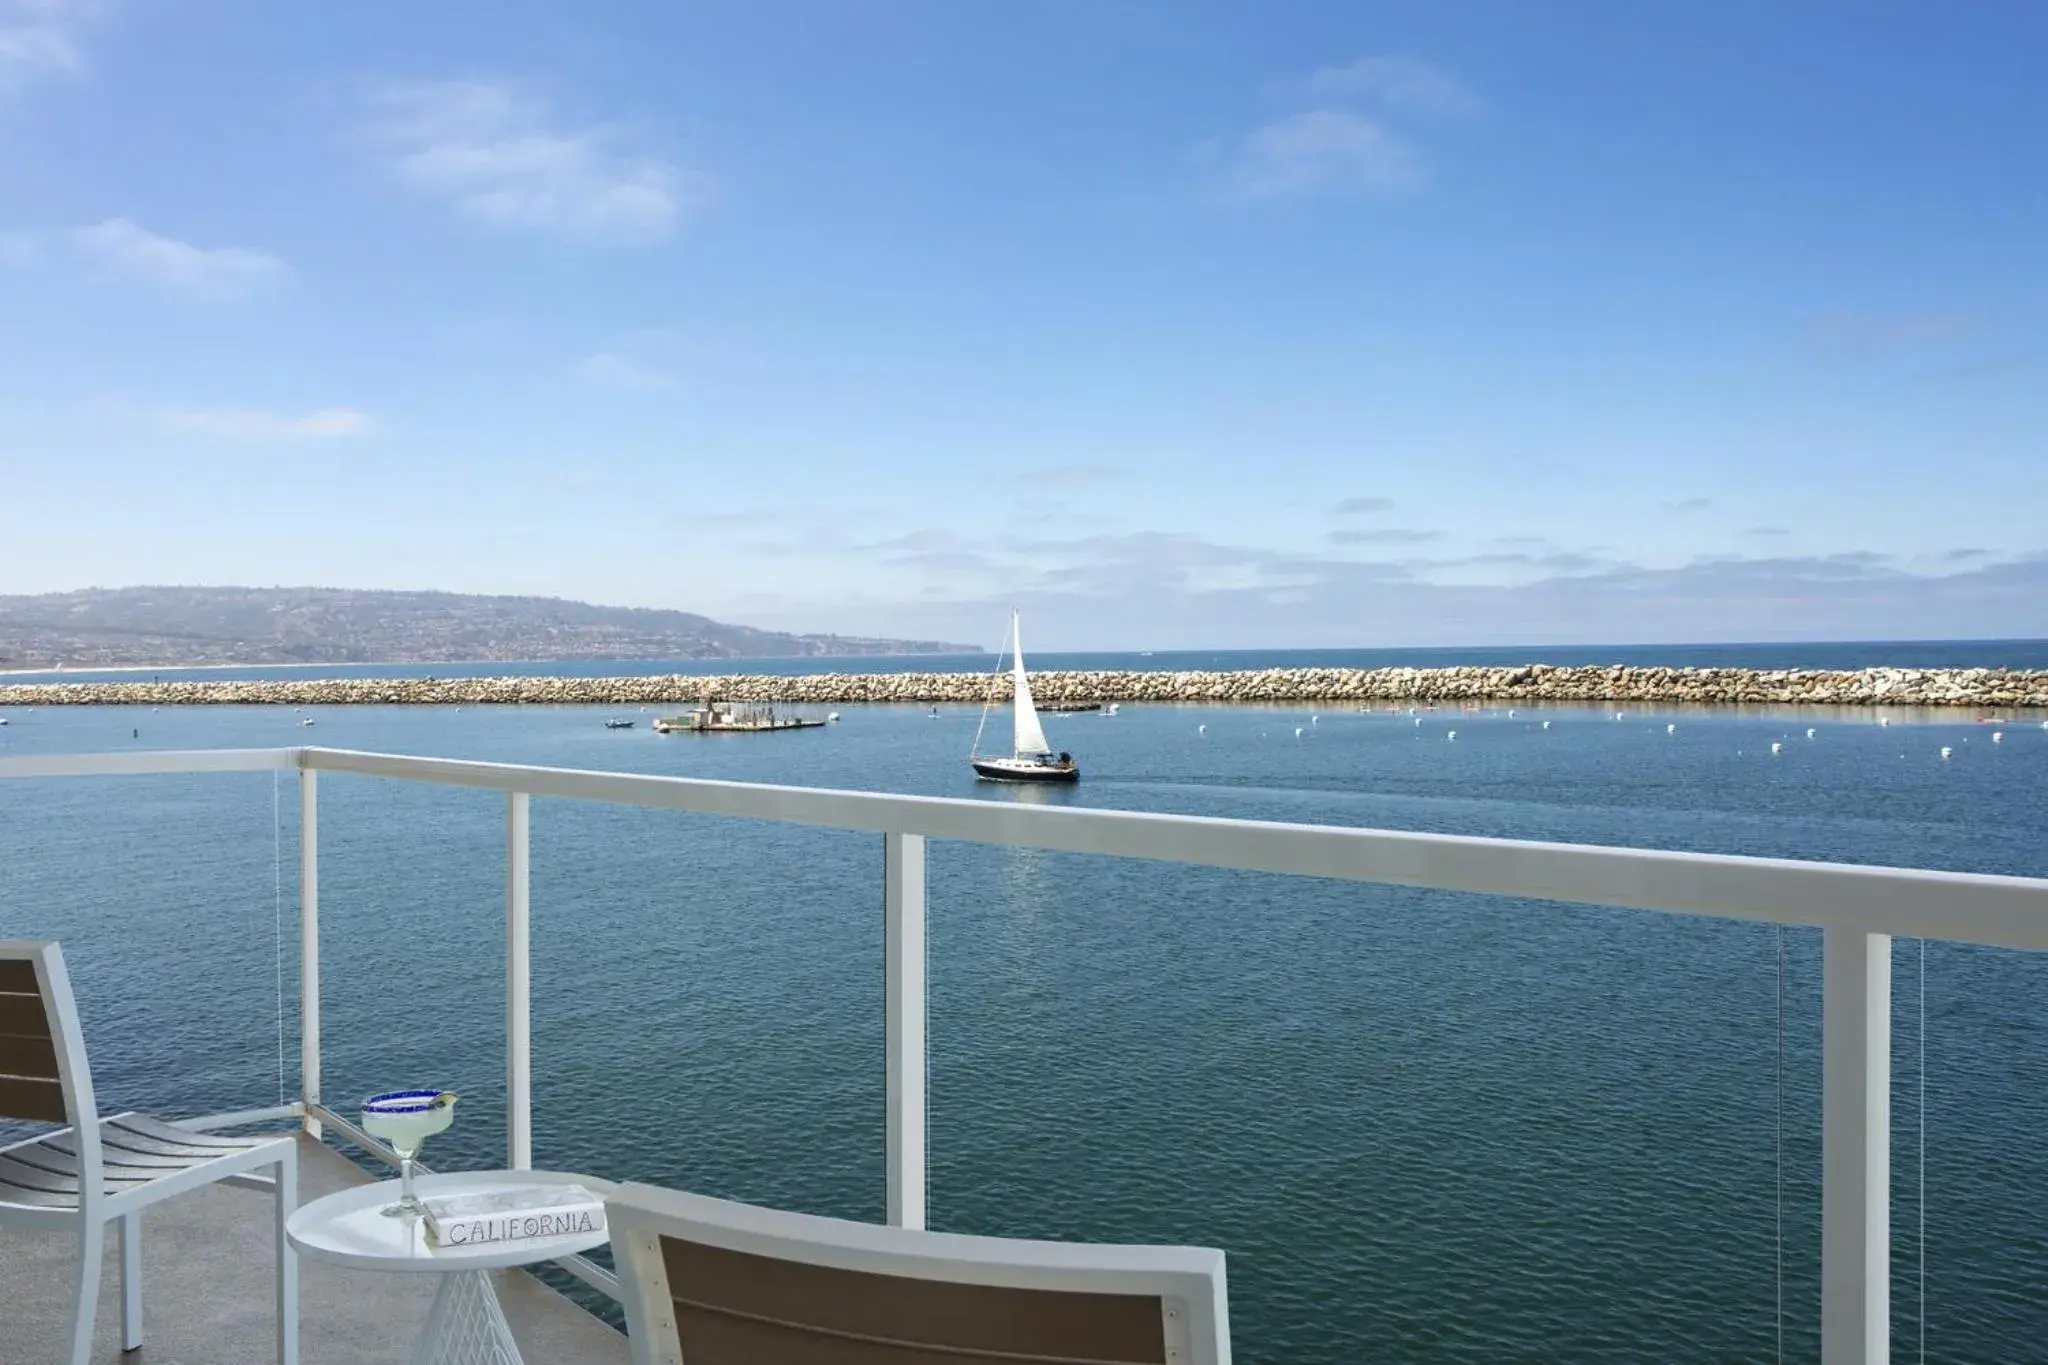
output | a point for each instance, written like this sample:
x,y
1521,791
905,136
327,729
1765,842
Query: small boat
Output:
x,y
1031,759
618,725
307,721
732,718
1063,708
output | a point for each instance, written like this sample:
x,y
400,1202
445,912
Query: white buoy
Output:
x,y
1619,714
1884,720
1546,725
1998,736
1511,713
1809,732
1201,729
1418,720
1946,751
1299,731
1775,746
1452,735
1672,728
831,715
1313,719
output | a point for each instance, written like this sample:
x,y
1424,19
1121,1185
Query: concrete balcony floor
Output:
x,y
207,1267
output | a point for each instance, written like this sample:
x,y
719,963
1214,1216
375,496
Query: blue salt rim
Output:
x,y
396,1101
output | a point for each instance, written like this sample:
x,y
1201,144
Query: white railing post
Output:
x,y
309,945
518,985
1855,1199
904,1009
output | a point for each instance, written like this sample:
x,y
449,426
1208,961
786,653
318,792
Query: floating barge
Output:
x,y
722,718
1068,707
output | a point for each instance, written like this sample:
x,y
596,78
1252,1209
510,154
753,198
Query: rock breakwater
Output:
x,y
1979,687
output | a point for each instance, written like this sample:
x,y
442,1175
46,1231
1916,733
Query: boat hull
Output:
x,y
1025,770
677,726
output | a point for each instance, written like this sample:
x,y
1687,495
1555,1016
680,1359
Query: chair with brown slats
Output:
x,y
97,1171
710,1282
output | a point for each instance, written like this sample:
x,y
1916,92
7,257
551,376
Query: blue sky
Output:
x,y
1178,325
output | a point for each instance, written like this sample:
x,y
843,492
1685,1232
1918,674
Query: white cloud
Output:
x,y
1167,590
1321,150
1387,535
26,50
1334,148
615,371
500,156
264,426
121,246
1401,83
38,37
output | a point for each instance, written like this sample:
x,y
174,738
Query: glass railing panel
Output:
x,y
172,896
412,953
1424,1126
1982,1186
708,1005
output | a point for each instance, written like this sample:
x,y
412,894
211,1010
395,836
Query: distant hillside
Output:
x,y
172,626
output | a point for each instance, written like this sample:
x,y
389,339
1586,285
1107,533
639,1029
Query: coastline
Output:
x,y
116,668
1523,683
89,669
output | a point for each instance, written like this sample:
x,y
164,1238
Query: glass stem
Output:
x,y
405,1179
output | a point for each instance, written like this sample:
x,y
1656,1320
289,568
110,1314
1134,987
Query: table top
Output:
x,y
349,1227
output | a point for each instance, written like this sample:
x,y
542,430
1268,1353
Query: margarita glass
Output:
x,y
406,1119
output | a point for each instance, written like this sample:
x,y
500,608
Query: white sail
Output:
x,y
1030,734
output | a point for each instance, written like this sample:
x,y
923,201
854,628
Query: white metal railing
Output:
x,y
1858,907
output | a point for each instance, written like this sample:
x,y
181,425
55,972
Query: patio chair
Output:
x,y
97,1171
710,1282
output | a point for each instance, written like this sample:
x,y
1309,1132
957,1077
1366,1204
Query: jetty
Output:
x,y
1511,685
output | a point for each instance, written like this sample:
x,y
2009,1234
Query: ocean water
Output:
x,y
1425,1127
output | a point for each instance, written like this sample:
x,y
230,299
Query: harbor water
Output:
x,y
1425,1127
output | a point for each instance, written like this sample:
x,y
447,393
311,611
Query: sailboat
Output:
x,y
1031,759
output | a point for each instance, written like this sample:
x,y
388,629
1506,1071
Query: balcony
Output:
x,y
207,1273
366,1035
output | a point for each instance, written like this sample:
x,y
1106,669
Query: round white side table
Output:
x,y
466,1326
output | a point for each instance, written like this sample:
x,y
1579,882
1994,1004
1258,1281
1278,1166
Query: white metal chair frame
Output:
x,y
134,1184
1189,1281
